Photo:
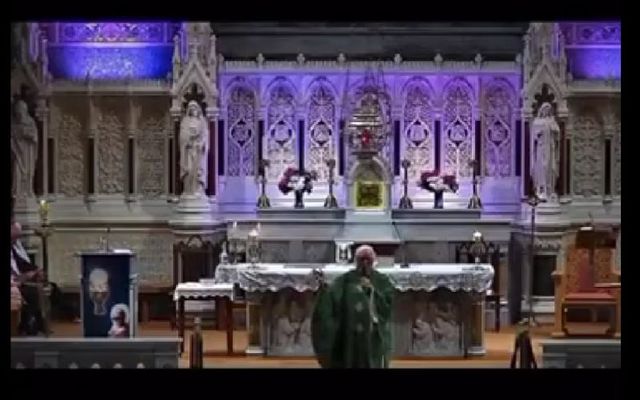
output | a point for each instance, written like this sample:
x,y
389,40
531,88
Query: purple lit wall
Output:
x,y
111,50
593,49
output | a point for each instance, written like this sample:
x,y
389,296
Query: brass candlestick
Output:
x,y
263,200
44,232
405,201
331,201
475,203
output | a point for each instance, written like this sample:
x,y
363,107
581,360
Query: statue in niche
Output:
x,y
24,150
194,148
545,165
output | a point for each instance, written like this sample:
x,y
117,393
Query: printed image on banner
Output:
x,y
106,296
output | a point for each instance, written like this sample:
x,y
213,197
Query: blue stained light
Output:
x,y
594,63
117,62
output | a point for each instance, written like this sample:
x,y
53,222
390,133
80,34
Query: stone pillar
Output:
x,y
254,325
548,248
476,344
42,115
212,177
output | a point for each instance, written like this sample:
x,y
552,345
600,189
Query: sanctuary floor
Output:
x,y
499,348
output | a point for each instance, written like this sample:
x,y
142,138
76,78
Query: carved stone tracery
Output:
x,y
321,119
280,137
497,127
418,132
587,154
241,109
67,127
457,142
111,148
152,130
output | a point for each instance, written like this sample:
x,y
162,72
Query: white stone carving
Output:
x,y
241,131
67,127
154,253
545,152
111,148
320,126
457,137
498,103
617,157
24,149
418,130
194,150
152,151
587,155
279,143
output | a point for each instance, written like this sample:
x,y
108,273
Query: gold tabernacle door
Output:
x,y
369,194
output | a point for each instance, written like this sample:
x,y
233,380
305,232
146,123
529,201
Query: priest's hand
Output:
x,y
365,282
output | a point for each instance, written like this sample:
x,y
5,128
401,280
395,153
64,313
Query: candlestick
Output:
x,y
405,201
475,202
331,201
263,200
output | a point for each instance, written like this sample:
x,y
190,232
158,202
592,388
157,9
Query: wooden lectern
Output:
x,y
585,305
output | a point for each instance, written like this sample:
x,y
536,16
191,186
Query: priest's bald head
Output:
x,y
365,258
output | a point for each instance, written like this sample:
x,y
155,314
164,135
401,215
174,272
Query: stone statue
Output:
x,y
194,148
24,150
545,165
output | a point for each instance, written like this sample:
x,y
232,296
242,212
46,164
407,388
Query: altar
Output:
x,y
438,308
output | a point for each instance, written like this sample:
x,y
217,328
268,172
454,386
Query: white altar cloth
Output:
x,y
427,277
199,290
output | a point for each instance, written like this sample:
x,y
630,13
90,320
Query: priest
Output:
x,y
351,323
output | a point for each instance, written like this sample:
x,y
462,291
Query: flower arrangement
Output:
x,y
299,182
438,184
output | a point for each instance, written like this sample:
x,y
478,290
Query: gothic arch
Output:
x,y
280,137
321,127
241,135
417,129
498,105
458,127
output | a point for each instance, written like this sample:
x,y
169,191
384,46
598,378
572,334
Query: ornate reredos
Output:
x,y
280,138
458,127
418,126
241,111
320,126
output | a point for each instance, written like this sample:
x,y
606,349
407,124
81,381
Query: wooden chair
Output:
x,y
587,303
489,253
193,259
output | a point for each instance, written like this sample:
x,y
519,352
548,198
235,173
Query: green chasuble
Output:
x,y
344,333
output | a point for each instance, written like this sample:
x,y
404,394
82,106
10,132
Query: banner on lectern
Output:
x,y
108,295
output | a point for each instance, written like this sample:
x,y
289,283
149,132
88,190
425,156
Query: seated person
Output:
x,y
16,305
27,275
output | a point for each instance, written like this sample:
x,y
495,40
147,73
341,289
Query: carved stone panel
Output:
x,y
617,157
457,130
320,128
68,125
318,252
418,131
153,261
153,127
111,152
241,130
275,252
280,136
587,154
497,122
